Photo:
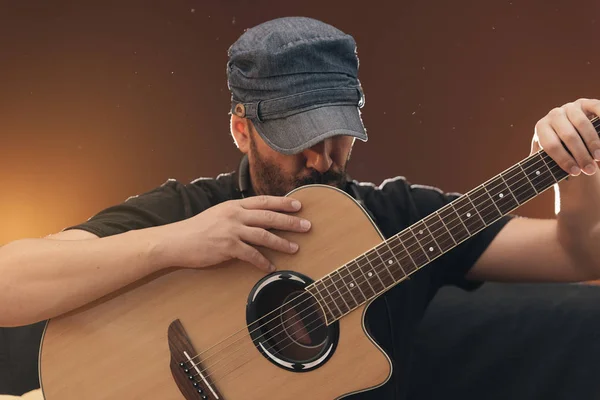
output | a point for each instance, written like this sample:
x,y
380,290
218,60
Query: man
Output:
x,y
295,117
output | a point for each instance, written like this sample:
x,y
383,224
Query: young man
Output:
x,y
295,117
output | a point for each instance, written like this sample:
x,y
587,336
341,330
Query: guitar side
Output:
x,y
118,346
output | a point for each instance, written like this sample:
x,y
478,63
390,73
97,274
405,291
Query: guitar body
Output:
x,y
122,345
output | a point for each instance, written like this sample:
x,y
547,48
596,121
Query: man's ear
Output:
x,y
240,130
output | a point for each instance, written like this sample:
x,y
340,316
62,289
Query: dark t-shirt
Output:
x,y
394,205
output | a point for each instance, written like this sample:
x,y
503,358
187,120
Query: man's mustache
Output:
x,y
315,177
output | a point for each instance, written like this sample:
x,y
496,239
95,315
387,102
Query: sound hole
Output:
x,y
303,331
287,324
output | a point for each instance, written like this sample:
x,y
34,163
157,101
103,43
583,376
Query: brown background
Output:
x,y
101,100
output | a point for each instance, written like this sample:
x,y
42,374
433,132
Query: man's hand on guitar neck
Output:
x,y
229,230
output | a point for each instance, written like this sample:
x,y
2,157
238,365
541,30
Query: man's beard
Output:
x,y
268,179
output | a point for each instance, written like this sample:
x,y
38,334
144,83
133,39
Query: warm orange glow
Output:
x,y
90,115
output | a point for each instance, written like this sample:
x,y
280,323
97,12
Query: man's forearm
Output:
x,y
41,278
578,214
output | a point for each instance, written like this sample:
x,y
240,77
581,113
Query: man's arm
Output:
x,y
566,248
529,250
43,278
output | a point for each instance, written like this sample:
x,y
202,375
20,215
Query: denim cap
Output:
x,y
296,79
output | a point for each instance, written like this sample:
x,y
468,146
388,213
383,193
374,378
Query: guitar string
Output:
x,y
593,121
250,348
350,309
341,296
205,368
327,286
415,246
366,299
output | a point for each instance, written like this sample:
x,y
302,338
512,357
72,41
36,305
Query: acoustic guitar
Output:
x,y
233,333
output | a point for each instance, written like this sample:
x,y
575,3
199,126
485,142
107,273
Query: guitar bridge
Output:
x,y
192,379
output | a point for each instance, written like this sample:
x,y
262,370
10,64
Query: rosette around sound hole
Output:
x,y
287,324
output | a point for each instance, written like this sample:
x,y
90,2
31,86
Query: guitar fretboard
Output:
x,y
395,259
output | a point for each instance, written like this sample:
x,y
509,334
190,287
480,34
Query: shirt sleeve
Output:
x,y
168,203
452,267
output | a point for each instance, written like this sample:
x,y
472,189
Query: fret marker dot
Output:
x,y
370,274
468,215
351,284
421,232
390,262
537,172
431,249
501,195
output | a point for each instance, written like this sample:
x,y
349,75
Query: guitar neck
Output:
x,y
395,259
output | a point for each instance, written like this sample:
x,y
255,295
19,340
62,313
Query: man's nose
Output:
x,y
318,157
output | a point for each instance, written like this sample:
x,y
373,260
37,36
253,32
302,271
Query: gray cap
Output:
x,y
296,78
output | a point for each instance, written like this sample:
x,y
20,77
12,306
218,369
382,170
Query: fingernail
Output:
x,y
304,224
597,154
590,169
296,205
271,268
575,170
293,246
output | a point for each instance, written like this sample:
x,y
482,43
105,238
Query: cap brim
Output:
x,y
293,134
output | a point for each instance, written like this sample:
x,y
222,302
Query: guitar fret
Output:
x,y
538,173
532,185
370,276
373,276
429,234
392,262
458,230
354,287
557,172
475,208
386,277
510,190
414,247
501,195
366,280
483,202
329,302
359,276
342,288
523,189
437,228
315,292
546,164
427,243
395,242
338,299
468,214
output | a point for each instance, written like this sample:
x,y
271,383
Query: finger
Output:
x,y
550,142
591,107
275,203
262,237
574,142
247,253
273,220
585,128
